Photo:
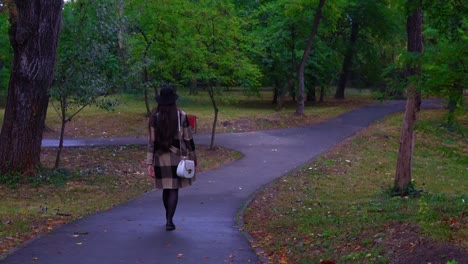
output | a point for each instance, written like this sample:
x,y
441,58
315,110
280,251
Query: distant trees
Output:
x,y
365,25
444,68
108,46
284,28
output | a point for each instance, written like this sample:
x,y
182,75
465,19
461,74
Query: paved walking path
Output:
x,y
206,218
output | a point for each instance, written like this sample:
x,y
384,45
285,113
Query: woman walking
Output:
x,y
165,148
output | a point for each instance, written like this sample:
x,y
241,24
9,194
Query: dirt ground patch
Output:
x,y
405,244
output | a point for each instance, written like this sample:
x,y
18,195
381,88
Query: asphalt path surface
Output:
x,y
207,216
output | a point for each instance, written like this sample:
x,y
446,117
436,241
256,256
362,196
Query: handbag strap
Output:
x,y
180,134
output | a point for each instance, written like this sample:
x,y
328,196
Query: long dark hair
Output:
x,y
165,122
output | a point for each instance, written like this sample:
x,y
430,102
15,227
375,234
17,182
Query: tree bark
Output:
x,y
405,154
347,61
34,37
305,57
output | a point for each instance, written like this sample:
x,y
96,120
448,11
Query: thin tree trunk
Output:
x,y
145,81
293,68
276,91
347,61
405,154
305,57
275,94
215,119
120,35
322,93
62,131
193,86
282,94
34,37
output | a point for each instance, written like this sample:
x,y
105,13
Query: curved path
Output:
x,y
206,219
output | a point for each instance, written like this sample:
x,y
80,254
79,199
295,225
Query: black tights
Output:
x,y
170,199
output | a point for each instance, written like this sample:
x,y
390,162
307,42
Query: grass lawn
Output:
x,y
339,206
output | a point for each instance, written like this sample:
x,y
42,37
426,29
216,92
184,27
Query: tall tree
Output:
x,y
365,24
87,67
415,48
158,39
34,33
219,56
305,56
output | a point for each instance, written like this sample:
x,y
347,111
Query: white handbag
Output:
x,y
186,167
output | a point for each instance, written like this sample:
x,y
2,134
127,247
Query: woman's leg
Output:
x,y
165,196
170,199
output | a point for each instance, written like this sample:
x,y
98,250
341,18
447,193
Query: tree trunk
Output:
x,y
322,93
145,83
193,86
33,35
293,68
311,91
305,57
276,91
63,108
405,153
282,93
215,119
347,61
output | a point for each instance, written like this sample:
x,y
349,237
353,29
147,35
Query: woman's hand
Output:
x,y
151,171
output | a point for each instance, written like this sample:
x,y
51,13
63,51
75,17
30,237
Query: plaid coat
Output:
x,y
165,163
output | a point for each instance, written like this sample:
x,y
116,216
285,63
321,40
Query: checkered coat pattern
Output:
x,y
165,163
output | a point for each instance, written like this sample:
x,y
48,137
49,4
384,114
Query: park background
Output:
x,y
235,65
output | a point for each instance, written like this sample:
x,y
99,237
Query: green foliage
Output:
x,y
283,28
180,41
10,179
221,47
88,65
409,191
380,33
152,36
444,58
444,70
6,56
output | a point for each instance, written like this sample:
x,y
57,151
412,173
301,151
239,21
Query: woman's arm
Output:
x,y
150,149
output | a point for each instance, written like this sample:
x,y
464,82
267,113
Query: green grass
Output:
x,y
339,205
